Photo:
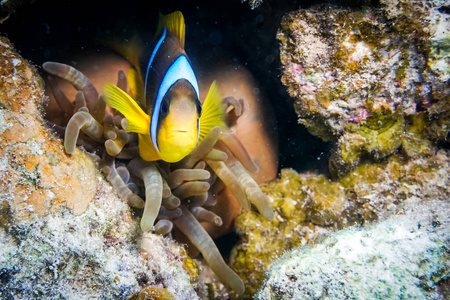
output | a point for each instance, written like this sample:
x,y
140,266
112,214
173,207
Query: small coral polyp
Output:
x,y
178,196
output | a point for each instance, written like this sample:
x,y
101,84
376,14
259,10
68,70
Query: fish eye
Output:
x,y
164,109
199,108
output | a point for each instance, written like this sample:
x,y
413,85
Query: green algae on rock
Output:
x,y
403,257
358,78
432,17
307,206
298,200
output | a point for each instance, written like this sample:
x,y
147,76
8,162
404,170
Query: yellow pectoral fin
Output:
x,y
138,120
146,149
213,112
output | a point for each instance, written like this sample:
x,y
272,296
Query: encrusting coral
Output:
x,y
64,231
178,196
362,79
366,81
94,255
403,257
33,165
308,205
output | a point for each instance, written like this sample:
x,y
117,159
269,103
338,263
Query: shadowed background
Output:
x,y
216,31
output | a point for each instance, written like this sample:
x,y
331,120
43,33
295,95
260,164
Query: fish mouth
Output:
x,y
180,133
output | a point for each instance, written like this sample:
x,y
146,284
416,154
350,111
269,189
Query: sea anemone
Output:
x,y
174,196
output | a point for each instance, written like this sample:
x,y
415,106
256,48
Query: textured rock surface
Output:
x,y
63,229
432,18
403,257
307,205
37,176
364,80
91,256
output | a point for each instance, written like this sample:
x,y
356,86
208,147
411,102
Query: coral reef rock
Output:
x,y
371,80
307,206
64,231
402,257
37,177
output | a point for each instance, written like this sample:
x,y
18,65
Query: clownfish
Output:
x,y
167,115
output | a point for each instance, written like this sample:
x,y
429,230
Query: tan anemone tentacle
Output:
x,y
203,215
211,199
76,78
177,177
191,188
198,200
123,172
63,102
164,168
171,202
149,173
234,145
133,187
115,146
81,121
190,227
216,154
121,187
120,121
165,213
201,150
122,82
252,190
200,165
166,189
163,227
237,105
230,181
109,128
99,109
128,153
80,101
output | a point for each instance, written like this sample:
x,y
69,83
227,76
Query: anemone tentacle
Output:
x,y
76,78
81,121
189,225
178,196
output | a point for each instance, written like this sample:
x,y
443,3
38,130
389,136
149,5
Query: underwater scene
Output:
x,y
241,149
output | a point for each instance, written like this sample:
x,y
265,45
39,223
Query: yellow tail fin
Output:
x,y
174,23
213,113
138,120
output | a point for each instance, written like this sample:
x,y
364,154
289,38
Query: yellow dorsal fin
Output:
x,y
174,23
138,120
213,111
